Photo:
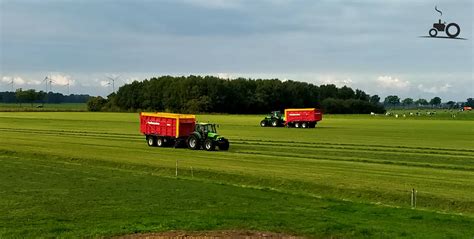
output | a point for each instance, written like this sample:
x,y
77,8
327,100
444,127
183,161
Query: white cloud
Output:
x,y
224,75
434,89
33,82
104,83
16,80
389,82
325,80
61,79
219,4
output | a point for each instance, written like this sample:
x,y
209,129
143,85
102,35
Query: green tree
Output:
x,y
375,99
451,104
96,103
407,101
470,102
420,102
392,100
435,101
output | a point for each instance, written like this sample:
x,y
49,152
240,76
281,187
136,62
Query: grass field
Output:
x,y
13,107
91,174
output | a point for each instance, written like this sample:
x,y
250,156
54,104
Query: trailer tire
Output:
x,y
304,125
193,142
160,142
263,123
297,125
150,140
209,145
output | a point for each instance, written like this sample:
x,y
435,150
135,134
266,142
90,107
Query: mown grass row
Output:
x,y
68,197
344,170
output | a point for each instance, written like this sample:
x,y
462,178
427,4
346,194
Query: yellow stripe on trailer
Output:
x,y
300,109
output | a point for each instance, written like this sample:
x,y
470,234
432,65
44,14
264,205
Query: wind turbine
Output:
x,y
46,84
67,86
51,84
113,79
11,83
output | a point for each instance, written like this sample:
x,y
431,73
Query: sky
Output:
x,y
373,45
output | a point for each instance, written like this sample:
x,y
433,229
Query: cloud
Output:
x,y
104,83
16,80
325,80
214,4
224,75
389,82
434,89
61,79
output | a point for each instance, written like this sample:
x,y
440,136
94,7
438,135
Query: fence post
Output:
x,y
176,167
192,172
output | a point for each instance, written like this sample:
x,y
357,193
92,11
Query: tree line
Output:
x,y
394,101
192,94
32,96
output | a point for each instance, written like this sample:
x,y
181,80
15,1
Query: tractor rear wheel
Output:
x,y
160,142
453,34
275,123
193,142
263,123
209,145
150,140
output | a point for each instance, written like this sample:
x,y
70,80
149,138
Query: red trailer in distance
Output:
x,y
302,118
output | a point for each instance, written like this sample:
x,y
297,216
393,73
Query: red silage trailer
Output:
x,y
166,128
302,118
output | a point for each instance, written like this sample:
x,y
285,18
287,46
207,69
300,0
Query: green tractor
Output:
x,y
205,136
274,119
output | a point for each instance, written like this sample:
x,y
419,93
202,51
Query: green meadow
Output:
x,y
83,174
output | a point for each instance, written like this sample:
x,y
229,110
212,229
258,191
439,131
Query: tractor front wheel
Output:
x,y
193,142
209,145
263,123
433,32
224,146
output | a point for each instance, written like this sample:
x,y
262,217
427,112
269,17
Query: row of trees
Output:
x,y
395,101
32,96
212,94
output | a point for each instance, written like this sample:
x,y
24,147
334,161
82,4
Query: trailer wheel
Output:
x,y
304,125
209,145
297,125
193,142
224,146
160,142
150,140
263,123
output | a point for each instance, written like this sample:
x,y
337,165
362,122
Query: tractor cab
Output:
x,y
274,119
206,129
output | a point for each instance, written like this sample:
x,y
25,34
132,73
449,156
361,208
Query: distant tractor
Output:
x,y
298,118
167,129
274,119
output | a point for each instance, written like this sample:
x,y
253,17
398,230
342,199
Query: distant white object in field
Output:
x,y
404,115
396,115
372,113
411,114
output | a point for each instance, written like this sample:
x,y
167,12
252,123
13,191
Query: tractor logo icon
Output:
x,y
451,29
